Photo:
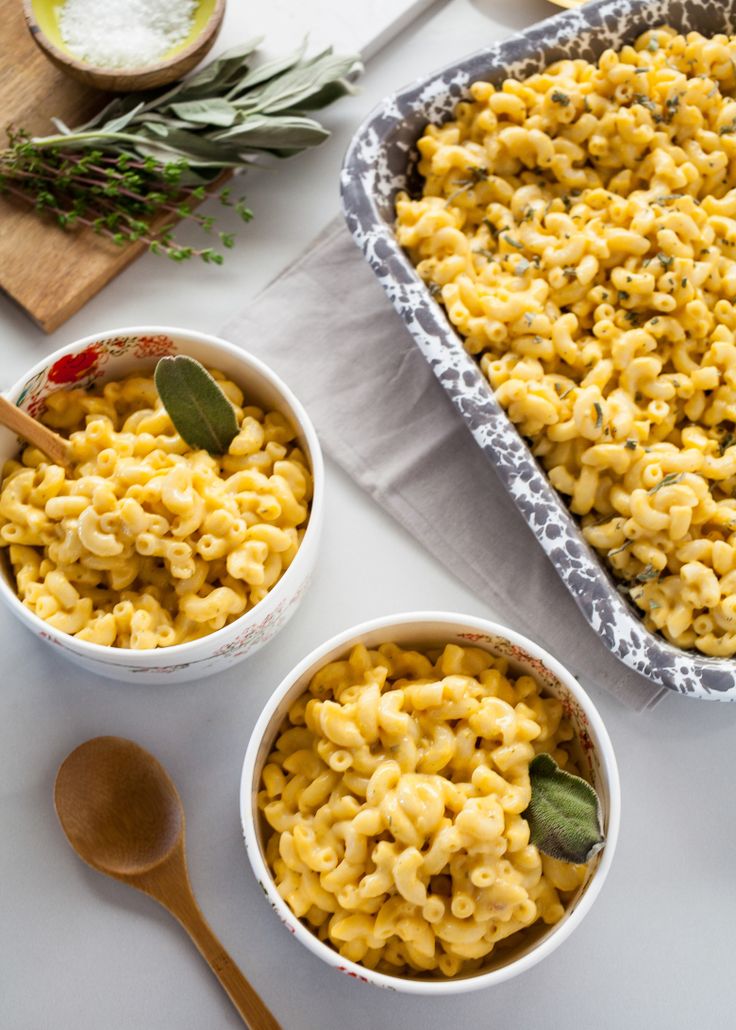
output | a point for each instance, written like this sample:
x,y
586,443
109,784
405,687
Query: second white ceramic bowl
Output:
x,y
112,355
425,630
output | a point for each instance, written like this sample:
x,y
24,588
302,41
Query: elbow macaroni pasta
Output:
x,y
395,794
579,227
144,542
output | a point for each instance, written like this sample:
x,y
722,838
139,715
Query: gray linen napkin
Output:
x,y
325,325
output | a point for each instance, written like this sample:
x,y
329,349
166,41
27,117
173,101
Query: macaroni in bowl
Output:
x,y
579,227
145,542
395,794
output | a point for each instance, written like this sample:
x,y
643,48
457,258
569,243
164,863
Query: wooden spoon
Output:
x,y
17,421
123,816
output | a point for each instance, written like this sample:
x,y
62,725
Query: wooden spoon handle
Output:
x,y
53,445
250,1006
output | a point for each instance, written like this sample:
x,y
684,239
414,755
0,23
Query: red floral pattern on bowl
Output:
x,y
87,367
73,367
154,346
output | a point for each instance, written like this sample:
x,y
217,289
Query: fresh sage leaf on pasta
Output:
x,y
564,814
200,411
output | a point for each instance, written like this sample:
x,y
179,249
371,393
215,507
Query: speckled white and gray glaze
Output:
x,y
379,162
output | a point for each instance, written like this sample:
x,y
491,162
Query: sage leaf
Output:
x,y
61,126
122,122
274,133
121,107
330,92
564,813
158,127
200,411
306,79
153,118
209,111
211,79
196,149
267,70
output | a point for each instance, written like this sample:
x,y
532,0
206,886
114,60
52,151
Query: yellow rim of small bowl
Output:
x,y
46,14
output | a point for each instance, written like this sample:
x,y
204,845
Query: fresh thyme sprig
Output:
x,y
148,159
120,197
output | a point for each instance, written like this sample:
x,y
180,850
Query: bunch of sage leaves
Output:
x,y
144,160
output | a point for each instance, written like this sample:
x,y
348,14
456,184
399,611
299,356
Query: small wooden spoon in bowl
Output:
x,y
17,421
123,816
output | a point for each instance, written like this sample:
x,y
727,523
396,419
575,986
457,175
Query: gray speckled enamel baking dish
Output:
x,y
379,162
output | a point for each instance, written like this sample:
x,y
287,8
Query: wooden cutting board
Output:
x,y
51,273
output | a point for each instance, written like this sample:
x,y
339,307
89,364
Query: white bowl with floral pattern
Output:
x,y
112,355
425,630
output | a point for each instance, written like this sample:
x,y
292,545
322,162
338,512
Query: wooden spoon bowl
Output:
x,y
123,816
118,806
42,21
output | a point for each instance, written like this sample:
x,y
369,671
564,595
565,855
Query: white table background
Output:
x,y
79,951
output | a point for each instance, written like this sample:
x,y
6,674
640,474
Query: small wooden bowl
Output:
x,y
42,20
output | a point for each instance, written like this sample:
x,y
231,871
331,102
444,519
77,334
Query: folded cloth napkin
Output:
x,y
325,325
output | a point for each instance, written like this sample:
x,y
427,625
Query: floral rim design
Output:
x,y
263,631
253,637
506,649
85,368
570,705
289,924
379,163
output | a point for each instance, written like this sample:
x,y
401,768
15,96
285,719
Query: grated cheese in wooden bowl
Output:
x,y
126,33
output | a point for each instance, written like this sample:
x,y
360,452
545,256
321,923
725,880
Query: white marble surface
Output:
x,y
79,952
366,26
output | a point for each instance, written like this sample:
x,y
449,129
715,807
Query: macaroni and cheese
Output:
x,y
144,542
579,227
395,794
